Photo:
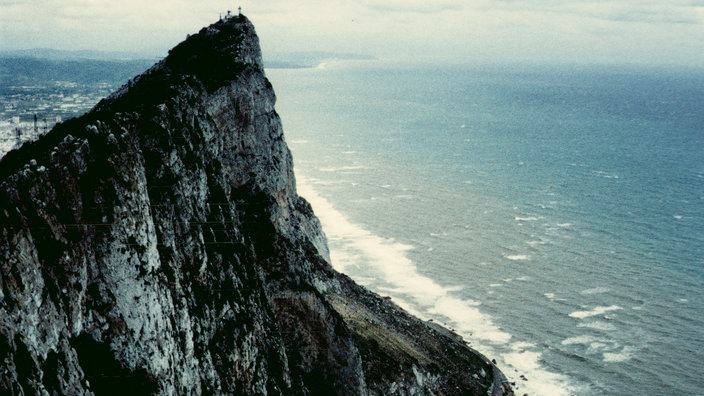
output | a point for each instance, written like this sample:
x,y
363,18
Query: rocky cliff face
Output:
x,y
157,245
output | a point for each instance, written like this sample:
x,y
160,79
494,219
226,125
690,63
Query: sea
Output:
x,y
552,215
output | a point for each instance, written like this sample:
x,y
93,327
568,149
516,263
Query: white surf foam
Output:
x,y
534,380
330,169
603,326
525,218
596,290
579,340
517,257
594,312
626,353
605,175
609,349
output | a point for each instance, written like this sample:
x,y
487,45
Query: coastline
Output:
x,y
350,245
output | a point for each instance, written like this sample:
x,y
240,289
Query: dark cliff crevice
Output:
x,y
106,375
157,245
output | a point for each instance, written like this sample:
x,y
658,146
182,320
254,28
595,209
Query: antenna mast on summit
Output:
x,y
239,10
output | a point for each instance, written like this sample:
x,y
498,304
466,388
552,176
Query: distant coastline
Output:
x,y
64,55
310,60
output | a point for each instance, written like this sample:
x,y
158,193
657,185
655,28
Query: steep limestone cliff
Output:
x,y
156,245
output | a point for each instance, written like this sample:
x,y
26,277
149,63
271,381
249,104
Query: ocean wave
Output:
x,y
596,290
534,380
603,326
517,257
552,297
626,353
330,169
605,175
609,350
538,242
579,340
594,312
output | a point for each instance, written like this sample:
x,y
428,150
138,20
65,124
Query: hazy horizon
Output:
x,y
447,31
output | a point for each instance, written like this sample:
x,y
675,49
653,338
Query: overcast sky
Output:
x,y
620,31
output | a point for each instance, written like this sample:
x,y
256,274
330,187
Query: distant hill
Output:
x,y
27,70
54,54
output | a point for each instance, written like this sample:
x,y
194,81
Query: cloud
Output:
x,y
4,3
414,6
643,11
415,30
656,15
94,24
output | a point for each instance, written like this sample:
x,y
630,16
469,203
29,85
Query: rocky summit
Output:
x,y
157,245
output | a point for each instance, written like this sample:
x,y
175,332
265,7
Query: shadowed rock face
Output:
x,y
157,245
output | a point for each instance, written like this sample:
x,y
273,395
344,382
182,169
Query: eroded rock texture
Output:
x,y
157,245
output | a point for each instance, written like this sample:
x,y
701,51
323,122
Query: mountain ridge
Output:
x,y
157,245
